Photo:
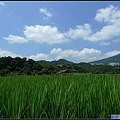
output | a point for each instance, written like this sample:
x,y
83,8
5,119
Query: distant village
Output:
x,y
111,64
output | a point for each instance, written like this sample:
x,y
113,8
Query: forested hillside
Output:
x,y
24,66
106,61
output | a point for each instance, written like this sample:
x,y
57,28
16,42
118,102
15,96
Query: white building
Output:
x,y
114,64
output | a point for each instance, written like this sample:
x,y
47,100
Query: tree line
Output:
x,y
24,66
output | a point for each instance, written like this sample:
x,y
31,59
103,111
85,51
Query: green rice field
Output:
x,y
73,96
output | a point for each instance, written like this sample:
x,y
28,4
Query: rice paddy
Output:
x,y
73,96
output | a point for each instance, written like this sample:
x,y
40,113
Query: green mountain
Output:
x,y
62,62
114,60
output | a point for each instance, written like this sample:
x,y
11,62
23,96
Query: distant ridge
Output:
x,y
57,62
62,61
114,60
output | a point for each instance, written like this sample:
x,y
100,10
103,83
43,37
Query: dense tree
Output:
x,y
22,66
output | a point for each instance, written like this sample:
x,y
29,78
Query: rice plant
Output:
x,y
73,96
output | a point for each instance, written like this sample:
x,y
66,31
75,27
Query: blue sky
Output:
x,y
75,31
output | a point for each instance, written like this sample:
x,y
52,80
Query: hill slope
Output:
x,y
114,60
62,61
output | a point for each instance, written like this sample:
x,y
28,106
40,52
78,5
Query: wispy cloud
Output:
x,y
1,3
116,41
105,43
46,13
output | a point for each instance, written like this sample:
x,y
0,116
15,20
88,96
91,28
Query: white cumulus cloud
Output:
x,y
106,33
15,39
6,53
44,34
110,16
56,51
84,55
79,31
39,56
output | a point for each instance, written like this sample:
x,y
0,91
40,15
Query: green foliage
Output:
x,y
22,66
78,96
4,72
